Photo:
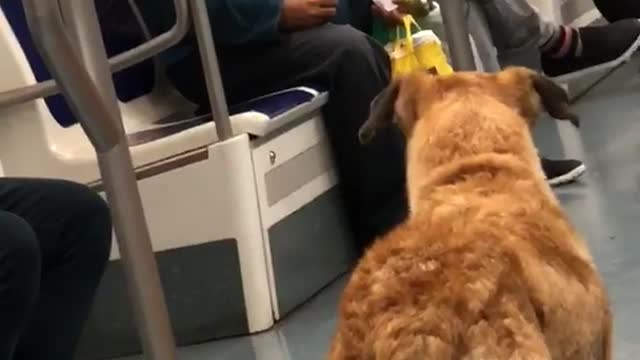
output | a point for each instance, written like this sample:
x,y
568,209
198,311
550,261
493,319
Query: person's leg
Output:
x,y
517,33
522,37
486,52
73,231
354,69
19,279
614,10
576,52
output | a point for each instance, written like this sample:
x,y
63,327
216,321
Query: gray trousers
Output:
x,y
507,32
354,68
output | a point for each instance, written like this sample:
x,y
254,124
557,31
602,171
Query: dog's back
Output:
x,y
475,281
487,265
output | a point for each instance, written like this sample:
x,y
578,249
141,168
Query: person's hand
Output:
x,y
304,14
391,18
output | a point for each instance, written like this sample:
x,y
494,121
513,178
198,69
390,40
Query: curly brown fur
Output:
x,y
487,266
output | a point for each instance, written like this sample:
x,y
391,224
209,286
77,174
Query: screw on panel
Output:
x,y
272,157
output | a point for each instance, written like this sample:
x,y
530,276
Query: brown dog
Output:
x,y
487,266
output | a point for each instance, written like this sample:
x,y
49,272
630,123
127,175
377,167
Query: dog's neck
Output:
x,y
445,158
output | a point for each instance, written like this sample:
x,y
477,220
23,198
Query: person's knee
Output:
x,y
354,48
343,37
84,200
92,216
20,273
101,218
19,249
97,215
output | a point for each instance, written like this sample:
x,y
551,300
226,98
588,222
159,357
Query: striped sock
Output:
x,y
565,42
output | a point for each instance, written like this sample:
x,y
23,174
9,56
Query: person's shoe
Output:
x,y
559,172
578,52
616,10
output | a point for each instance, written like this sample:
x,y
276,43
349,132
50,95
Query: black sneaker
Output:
x,y
601,47
559,172
618,9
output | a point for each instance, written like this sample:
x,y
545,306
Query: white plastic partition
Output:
x,y
81,76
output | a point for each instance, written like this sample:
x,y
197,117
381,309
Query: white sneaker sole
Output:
x,y
624,58
569,177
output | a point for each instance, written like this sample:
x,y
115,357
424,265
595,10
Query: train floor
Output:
x,y
604,205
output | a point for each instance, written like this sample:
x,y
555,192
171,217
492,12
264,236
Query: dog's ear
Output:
x,y
528,89
381,113
554,98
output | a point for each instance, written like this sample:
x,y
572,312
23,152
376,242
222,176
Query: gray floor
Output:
x,y
605,206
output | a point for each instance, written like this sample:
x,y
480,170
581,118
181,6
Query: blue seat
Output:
x,y
130,83
267,113
139,79
159,121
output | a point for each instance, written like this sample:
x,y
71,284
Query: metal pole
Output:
x,y
94,108
456,28
82,24
217,99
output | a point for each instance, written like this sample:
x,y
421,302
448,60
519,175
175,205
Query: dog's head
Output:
x,y
407,98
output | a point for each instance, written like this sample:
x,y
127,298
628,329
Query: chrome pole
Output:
x,y
217,99
87,87
454,19
81,23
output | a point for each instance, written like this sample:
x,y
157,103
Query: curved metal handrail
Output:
x,y
211,69
76,73
121,61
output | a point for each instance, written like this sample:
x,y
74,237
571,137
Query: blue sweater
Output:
x,y
234,22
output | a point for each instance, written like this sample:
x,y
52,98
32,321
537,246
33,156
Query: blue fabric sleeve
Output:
x,y
237,22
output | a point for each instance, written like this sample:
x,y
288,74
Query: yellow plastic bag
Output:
x,y
420,50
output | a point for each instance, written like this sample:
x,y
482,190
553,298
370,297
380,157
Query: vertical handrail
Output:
x,y
104,128
454,19
217,99
83,28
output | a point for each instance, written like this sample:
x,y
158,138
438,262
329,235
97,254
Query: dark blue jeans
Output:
x,y
55,239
